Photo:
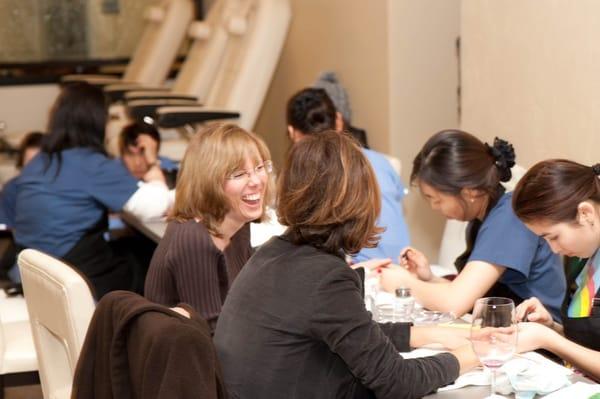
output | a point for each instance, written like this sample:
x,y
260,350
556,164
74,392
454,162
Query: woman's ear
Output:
x,y
587,214
294,134
339,122
471,194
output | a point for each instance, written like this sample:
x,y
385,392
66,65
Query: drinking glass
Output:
x,y
494,334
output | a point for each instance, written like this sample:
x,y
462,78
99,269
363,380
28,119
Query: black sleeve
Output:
x,y
340,319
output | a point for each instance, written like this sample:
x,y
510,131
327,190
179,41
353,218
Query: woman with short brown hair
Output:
x,y
294,324
335,220
223,185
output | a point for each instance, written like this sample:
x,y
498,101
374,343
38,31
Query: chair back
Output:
x,y
60,305
166,27
208,43
257,30
17,353
135,348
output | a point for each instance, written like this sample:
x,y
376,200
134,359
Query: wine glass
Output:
x,y
494,334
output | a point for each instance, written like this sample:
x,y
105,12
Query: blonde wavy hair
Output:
x,y
212,155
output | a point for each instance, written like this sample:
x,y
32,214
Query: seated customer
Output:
x,y
310,112
559,200
29,148
139,145
223,185
65,192
460,177
294,324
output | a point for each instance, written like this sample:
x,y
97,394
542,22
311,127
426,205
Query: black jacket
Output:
x,y
294,325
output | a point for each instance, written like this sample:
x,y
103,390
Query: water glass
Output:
x,y
399,310
494,333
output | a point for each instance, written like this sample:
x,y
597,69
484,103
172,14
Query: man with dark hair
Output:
x,y
139,144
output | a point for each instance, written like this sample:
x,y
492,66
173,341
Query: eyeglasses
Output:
x,y
260,170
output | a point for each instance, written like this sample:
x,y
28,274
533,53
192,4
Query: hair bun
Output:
x,y
504,157
596,169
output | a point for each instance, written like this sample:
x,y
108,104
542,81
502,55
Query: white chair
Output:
x,y
453,239
60,305
193,82
256,32
17,352
166,26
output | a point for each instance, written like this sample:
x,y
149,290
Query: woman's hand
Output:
x,y
148,147
372,264
154,174
532,336
448,337
391,278
415,262
533,310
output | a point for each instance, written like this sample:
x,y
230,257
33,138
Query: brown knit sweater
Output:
x,y
188,267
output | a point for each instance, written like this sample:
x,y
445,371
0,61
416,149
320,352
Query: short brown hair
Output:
x,y
212,155
552,190
328,195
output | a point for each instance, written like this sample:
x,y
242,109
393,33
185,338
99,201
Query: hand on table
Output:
x,y
533,310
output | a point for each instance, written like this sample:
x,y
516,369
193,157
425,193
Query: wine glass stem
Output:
x,y
493,384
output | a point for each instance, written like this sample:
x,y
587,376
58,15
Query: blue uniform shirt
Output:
x,y
168,163
8,202
531,267
54,211
395,237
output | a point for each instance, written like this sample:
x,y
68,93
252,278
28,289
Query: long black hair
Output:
x,y
452,160
77,119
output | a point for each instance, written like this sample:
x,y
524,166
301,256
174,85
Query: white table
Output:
x,y
155,229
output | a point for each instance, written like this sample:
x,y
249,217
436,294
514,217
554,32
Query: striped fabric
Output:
x,y
188,267
588,282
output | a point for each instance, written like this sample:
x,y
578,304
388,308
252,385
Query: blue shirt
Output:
x,y
165,163
168,163
54,211
395,237
8,202
531,267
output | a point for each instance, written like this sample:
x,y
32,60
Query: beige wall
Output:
x,y
346,36
25,108
423,99
396,59
531,74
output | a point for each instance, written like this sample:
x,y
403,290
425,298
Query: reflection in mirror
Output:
x,y
35,31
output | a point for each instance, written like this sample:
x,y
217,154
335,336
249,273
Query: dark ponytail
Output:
x,y
311,111
551,190
452,160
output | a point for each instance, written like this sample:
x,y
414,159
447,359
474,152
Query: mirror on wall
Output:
x,y
43,38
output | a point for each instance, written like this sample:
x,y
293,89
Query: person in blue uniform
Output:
x,y
559,201
28,149
139,145
311,111
460,177
64,193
